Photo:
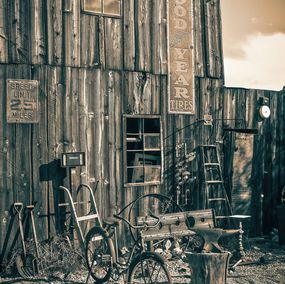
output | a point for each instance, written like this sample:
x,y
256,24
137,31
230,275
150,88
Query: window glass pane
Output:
x,y
135,158
135,175
152,158
112,7
134,125
152,141
134,144
152,174
143,150
151,125
93,6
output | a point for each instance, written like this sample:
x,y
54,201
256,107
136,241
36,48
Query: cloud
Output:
x,y
242,19
262,65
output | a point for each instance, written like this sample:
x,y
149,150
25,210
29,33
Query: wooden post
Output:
x,y
208,268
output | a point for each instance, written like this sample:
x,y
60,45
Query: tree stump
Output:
x,y
208,268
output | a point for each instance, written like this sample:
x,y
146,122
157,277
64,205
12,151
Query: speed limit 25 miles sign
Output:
x,y
22,101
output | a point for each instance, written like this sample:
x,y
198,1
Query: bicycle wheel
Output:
x,y
98,254
151,204
148,267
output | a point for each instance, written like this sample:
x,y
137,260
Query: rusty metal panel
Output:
x,y
22,101
181,57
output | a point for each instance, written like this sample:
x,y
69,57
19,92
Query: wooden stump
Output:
x,y
208,268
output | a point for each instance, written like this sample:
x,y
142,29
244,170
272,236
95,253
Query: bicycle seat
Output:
x,y
111,221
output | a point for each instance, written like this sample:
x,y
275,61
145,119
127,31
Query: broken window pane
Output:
x,y
143,150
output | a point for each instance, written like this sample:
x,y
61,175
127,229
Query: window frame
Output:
x,y
125,160
86,11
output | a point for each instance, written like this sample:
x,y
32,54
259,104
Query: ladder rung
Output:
x,y
216,199
211,164
208,146
75,203
214,181
87,217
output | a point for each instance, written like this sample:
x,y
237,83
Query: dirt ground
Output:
x,y
264,263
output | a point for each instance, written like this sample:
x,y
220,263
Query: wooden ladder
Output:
x,y
93,214
214,188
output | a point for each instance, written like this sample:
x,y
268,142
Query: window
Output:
x,y
105,7
142,150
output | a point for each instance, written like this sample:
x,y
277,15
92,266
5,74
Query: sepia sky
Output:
x,y
254,43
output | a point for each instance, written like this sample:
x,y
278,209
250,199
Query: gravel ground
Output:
x,y
264,263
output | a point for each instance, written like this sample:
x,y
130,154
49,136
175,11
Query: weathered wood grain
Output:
x,y
113,50
71,19
143,32
257,183
129,35
159,37
89,40
114,140
19,36
213,39
229,109
206,106
39,158
217,86
38,45
240,113
281,150
54,22
199,38
3,32
6,189
249,109
55,93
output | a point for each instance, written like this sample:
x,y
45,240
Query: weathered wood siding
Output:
x,y
255,176
57,32
91,71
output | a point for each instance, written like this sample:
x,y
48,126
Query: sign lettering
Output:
x,y
22,101
181,88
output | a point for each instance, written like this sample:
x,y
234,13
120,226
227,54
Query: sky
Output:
x,y
254,43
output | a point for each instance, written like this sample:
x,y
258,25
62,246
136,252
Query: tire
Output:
x,y
98,254
158,204
148,267
152,203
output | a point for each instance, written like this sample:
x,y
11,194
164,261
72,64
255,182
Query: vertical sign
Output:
x,y
22,101
181,87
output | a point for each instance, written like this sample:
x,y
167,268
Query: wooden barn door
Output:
x,y
242,169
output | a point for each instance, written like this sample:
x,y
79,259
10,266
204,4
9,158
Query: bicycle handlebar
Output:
x,y
139,226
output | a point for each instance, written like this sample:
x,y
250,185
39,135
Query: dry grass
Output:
x,y
264,263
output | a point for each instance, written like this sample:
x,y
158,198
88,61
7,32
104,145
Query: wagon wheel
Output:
x,y
154,204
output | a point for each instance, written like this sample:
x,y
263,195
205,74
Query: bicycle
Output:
x,y
102,256
102,252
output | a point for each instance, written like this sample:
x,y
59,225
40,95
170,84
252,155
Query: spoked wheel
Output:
x,y
99,250
151,204
158,205
148,268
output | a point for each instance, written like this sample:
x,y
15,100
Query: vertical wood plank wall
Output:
x,y
267,177
92,70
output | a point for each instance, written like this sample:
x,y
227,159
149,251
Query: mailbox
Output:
x,y
73,159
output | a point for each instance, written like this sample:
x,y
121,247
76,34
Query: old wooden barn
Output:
x,y
100,73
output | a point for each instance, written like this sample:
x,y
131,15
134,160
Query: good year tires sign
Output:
x,y
181,88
